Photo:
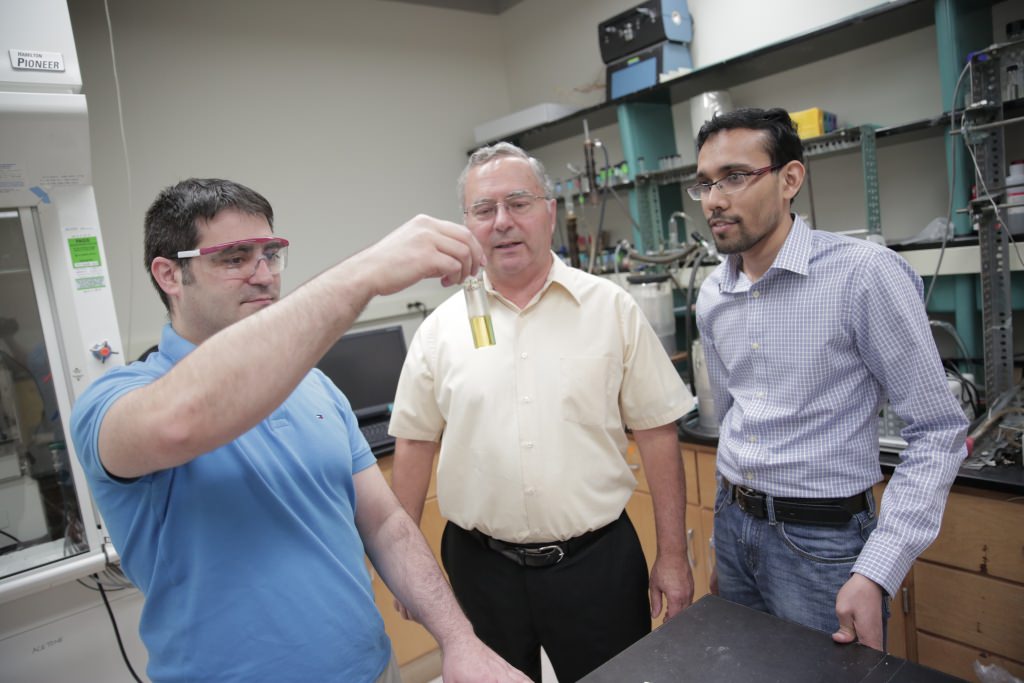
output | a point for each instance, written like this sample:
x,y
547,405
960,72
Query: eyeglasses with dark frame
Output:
x,y
729,184
241,259
518,204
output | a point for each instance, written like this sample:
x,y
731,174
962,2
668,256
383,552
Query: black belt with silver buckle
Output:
x,y
526,556
541,554
819,511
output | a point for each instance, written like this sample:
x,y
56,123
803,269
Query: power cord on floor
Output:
x,y
113,622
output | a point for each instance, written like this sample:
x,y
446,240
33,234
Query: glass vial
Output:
x,y
479,312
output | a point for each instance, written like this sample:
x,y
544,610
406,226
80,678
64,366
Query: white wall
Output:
x,y
351,117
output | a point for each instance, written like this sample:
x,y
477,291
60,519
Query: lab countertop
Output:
x,y
1005,478
718,641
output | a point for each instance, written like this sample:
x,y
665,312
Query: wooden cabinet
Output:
x,y
409,640
964,597
699,467
968,586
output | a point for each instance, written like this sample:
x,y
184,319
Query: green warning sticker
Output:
x,y
85,252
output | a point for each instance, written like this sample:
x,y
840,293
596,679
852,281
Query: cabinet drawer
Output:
x,y
707,527
706,478
640,509
696,551
957,659
977,610
690,470
983,535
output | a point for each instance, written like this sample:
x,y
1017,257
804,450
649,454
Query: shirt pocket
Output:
x,y
585,388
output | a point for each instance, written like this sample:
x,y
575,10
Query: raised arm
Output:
x,y
239,375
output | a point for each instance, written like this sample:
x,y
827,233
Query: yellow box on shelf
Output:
x,y
810,123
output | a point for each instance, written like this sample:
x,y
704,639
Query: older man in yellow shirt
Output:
x,y
531,474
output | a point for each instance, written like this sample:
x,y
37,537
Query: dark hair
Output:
x,y
170,224
780,139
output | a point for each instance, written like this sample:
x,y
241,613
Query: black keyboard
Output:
x,y
375,432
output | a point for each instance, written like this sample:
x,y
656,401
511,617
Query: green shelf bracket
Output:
x,y
648,132
648,215
872,196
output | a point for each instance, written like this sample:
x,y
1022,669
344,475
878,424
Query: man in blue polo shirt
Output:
x,y
232,475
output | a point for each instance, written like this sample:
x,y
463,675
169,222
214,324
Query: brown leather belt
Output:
x,y
818,511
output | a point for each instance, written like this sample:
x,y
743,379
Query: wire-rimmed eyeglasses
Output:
x,y
730,183
486,210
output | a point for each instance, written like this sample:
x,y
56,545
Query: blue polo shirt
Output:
x,y
248,556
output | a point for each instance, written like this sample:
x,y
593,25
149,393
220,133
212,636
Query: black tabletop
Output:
x,y
716,640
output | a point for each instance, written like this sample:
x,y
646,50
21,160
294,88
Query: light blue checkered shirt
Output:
x,y
801,362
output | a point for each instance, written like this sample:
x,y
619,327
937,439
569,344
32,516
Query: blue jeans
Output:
x,y
790,570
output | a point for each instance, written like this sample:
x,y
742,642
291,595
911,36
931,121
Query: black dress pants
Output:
x,y
583,610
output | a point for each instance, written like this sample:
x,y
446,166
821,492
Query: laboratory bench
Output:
x,y
717,640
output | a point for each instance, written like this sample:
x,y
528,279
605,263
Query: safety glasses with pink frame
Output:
x,y
241,259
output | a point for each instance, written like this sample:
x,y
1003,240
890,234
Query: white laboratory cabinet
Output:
x,y
58,332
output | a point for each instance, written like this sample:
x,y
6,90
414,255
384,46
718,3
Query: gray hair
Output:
x,y
484,155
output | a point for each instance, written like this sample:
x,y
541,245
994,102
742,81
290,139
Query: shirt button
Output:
x,y
752,439
760,394
526,399
756,293
749,476
755,346
523,354
529,490
527,444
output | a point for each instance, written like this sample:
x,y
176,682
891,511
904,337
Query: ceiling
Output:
x,y
479,6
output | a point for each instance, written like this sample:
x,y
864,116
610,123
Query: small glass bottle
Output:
x,y
479,312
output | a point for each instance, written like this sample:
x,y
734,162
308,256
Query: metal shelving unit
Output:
x,y
859,30
985,135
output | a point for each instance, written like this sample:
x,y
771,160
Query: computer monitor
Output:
x,y
366,365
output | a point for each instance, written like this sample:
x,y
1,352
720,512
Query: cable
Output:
x,y
988,194
966,387
952,182
117,632
947,327
604,201
625,209
127,168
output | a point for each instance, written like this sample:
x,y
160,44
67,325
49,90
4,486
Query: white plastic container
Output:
x,y
705,399
654,294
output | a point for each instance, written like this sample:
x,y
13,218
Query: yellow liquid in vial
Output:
x,y
483,331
